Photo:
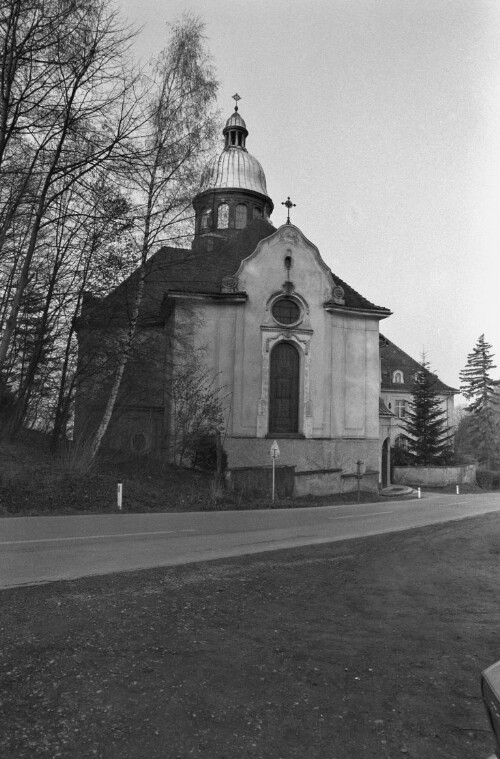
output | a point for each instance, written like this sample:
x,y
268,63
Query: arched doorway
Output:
x,y
284,389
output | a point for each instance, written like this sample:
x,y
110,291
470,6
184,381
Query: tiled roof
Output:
x,y
200,272
382,408
354,300
393,358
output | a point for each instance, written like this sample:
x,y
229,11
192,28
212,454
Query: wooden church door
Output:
x,y
284,390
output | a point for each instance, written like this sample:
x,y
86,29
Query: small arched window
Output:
x,y
139,442
241,216
397,377
223,216
257,212
205,218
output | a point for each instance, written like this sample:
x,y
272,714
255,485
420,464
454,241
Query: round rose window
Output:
x,y
286,311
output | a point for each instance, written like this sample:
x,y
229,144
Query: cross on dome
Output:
x,y
236,97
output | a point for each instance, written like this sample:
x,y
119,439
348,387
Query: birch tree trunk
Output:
x,y
176,125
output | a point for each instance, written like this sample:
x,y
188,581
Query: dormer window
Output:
x,y
397,377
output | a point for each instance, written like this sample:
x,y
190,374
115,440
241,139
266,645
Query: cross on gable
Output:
x,y
288,203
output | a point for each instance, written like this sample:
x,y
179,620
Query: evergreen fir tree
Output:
x,y
430,437
482,393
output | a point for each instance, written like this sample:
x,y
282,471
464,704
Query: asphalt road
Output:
x,y
43,549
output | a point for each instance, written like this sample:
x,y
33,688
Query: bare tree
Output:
x,y
197,409
64,111
175,129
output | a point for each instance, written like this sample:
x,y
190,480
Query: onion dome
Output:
x,y
234,168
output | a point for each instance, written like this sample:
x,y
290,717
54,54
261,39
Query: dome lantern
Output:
x,y
235,131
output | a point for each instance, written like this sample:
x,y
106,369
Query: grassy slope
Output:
x,y
33,482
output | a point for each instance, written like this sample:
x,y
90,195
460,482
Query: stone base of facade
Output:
x,y
306,454
291,484
320,467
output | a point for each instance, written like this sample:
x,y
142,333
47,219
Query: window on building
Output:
x,y
286,311
257,212
401,408
241,216
223,216
284,389
397,377
205,218
402,442
139,442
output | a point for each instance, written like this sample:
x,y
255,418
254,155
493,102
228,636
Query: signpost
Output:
x,y
275,452
359,474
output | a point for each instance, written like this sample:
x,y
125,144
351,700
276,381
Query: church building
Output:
x,y
294,349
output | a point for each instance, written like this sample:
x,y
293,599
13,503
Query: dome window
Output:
x,y
257,212
205,218
241,216
286,311
397,377
223,216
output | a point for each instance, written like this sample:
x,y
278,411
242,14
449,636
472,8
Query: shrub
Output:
x,y
488,479
205,453
402,457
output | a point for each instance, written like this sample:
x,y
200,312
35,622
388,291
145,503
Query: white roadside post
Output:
x,y
275,452
119,495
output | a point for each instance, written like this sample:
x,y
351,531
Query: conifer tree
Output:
x,y
430,437
482,392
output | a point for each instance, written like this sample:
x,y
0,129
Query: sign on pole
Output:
x,y
275,452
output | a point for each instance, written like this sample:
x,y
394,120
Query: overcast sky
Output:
x,y
381,120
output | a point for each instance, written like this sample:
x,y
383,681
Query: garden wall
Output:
x,y
434,476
